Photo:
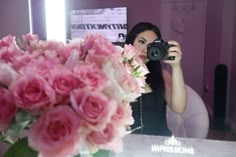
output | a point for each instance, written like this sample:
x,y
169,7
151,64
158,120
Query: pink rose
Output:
x,y
90,76
21,61
9,50
122,86
123,115
99,50
33,93
55,133
93,107
7,109
7,41
139,66
62,80
54,50
130,86
98,44
74,45
72,60
107,138
7,74
40,66
30,42
96,59
129,52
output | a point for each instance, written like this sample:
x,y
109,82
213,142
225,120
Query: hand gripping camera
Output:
x,y
158,50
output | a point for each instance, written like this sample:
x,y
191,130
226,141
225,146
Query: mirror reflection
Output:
x,y
205,31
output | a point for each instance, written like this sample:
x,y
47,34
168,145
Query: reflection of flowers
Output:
x,y
68,96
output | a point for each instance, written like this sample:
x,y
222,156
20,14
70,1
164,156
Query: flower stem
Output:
x,y
6,139
9,140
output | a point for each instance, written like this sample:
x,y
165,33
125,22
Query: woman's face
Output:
x,y
141,42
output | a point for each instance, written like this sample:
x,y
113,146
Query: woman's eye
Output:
x,y
141,42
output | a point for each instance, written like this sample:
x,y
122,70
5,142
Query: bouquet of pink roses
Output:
x,y
69,97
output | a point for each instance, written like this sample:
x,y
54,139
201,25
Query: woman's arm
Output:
x,y
175,94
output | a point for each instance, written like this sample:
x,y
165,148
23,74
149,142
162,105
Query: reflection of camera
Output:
x,y
158,50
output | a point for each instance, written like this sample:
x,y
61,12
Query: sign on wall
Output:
x,y
111,22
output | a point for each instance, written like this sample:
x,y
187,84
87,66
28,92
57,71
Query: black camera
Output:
x,y
158,50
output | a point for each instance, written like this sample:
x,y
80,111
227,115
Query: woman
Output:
x,y
161,88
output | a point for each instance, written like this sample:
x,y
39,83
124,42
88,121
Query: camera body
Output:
x,y
158,50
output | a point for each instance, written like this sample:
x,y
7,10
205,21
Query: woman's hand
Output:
x,y
176,52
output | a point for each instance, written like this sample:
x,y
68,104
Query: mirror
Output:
x,y
206,35
206,32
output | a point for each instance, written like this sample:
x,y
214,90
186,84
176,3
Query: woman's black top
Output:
x,y
153,114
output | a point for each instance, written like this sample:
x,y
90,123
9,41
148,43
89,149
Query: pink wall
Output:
x,y
212,48
232,94
220,48
14,17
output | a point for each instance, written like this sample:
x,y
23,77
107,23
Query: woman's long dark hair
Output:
x,y
154,78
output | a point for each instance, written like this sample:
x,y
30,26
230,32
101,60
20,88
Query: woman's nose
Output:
x,y
145,49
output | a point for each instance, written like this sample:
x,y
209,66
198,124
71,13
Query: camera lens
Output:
x,y
156,52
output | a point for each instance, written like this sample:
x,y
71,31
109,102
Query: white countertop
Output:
x,y
142,145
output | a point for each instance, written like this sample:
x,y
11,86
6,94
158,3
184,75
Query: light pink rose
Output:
x,y
53,49
7,109
98,44
54,55
90,76
130,86
72,60
107,138
33,93
122,86
40,66
88,43
9,50
62,80
129,52
52,45
99,49
74,45
93,107
7,74
97,59
21,61
123,115
139,66
7,41
55,133
30,42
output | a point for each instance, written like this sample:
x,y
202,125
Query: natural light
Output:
x,y
55,20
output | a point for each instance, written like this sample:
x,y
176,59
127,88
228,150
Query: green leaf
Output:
x,y
102,153
6,139
20,149
99,153
23,116
21,121
16,128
